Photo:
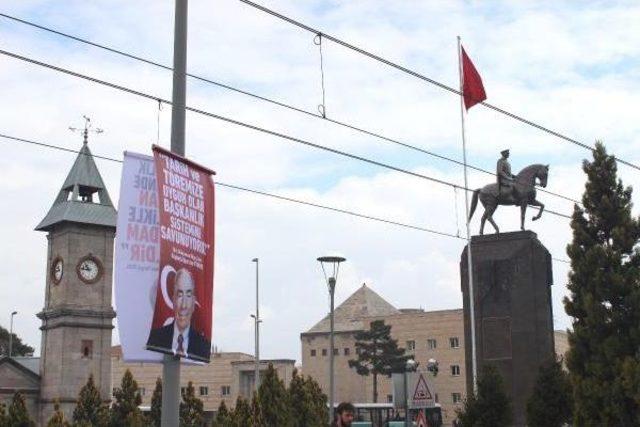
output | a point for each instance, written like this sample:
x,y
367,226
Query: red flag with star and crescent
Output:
x,y
472,88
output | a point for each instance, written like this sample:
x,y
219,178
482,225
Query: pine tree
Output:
x,y
491,407
57,419
223,416
273,400
378,354
308,403
155,414
241,414
127,399
604,300
550,404
257,415
90,410
191,408
18,413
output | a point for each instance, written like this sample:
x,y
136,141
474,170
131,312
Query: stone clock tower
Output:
x,y
77,318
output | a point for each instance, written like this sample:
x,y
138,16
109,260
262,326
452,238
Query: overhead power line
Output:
x,y
245,125
271,101
262,193
424,78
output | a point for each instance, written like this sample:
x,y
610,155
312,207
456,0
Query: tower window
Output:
x,y
454,342
87,349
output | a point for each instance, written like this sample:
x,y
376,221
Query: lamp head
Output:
x,y
14,313
332,264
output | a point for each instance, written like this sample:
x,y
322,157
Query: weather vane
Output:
x,y
86,130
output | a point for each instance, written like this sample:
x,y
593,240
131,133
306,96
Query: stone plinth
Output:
x,y
512,299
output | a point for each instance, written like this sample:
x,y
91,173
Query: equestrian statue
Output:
x,y
510,190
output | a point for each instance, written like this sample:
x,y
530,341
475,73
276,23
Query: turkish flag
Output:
x,y
472,88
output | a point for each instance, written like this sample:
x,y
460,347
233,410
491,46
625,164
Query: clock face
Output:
x,y
89,269
57,270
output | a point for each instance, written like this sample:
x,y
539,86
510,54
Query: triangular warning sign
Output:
x,y
422,391
421,421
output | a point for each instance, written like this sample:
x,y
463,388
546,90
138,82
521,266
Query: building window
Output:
x,y
143,391
411,345
313,353
336,352
324,351
347,351
113,391
389,398
431,344
183,390
225,390
456,397
455,370
204,391
87,349
437,400
454,342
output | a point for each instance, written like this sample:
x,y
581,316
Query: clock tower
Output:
x,y
77,318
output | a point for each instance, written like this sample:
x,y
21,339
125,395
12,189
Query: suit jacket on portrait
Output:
x,y
162,338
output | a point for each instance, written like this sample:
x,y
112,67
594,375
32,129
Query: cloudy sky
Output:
x,y
574,67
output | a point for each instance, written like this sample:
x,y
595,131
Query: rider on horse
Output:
x,y
504,176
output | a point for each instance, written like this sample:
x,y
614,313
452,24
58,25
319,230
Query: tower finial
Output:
x,y
86,130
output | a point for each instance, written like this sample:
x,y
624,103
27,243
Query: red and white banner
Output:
x,y
184,299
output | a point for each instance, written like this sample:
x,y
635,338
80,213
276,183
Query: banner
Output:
x,y
137,252
184,298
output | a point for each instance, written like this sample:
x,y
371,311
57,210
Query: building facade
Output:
x,y
424,334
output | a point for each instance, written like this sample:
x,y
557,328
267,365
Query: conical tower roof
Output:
x,y
349,315
83,197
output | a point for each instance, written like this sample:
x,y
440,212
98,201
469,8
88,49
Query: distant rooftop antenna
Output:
x,y
86,130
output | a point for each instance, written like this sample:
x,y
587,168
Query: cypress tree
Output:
x,y
550,404
604,300
491,406
191,408
127,398
241,414
378,354
274,400
18,414
4,418
90,410
308,403
57,419
223,416
155,414
318,402
257,416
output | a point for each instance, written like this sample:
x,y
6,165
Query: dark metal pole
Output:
x,y
171,365
257,319
332,288
406,400
11,334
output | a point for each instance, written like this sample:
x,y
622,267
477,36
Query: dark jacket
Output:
x,y
162,338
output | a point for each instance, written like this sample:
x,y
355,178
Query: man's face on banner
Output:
x,y
183,298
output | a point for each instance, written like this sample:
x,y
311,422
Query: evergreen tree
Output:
x,y
90,410
378,354
491,406
191,408
4,418
18,348
257,416
18,414
127,399
155,414
273,400
604,300
550,404
241,414
308,403
223,416
57,419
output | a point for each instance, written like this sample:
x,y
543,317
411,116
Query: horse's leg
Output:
x,y
482,221
523,210
534,202
489,213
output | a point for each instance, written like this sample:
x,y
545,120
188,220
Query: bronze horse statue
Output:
x,y
523,193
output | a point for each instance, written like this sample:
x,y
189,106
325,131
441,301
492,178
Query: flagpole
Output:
x,y
474,365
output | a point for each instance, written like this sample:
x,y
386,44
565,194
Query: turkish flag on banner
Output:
x,y
472,88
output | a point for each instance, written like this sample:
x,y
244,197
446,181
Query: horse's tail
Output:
x,y
474,203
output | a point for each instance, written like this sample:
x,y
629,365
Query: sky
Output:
x,y
571,66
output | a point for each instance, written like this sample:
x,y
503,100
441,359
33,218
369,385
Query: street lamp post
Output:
x,y
332,263
409,367
11,334
257,321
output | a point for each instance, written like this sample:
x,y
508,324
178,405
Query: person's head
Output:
x,y
505,153
344,413
184,298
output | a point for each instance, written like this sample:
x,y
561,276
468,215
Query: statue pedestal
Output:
x,y
512,300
